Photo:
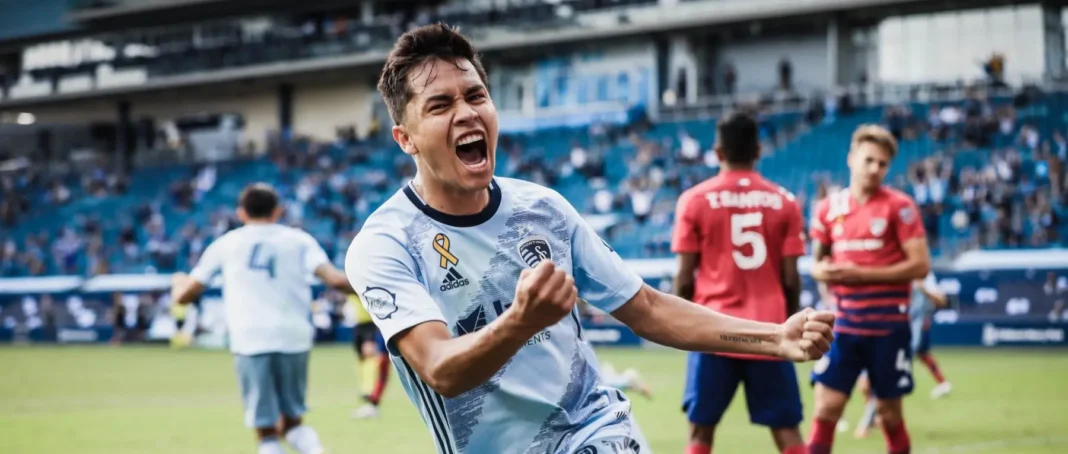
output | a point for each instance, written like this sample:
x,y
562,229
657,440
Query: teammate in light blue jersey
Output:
x,y
266,271
473,281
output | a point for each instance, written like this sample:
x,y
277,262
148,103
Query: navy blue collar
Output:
x,y
464,220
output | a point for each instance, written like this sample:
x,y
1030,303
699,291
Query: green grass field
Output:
x,y
91,400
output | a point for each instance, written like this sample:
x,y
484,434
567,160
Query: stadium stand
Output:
x,y
986,172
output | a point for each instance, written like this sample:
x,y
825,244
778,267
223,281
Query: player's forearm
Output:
x,y
938,298
334,278
820,253
793,299
671,321
684,288
463,363
185,290
904,271
791,287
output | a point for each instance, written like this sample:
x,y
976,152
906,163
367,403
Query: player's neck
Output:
x,y
450,200
728,167
862,194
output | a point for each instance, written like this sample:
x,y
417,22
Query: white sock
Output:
x,y
272,446
304,439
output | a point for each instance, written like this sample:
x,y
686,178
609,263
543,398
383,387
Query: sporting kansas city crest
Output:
x,y
534,250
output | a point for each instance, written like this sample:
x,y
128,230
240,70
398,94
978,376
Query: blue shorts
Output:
x,y
921,337
272,385
922,344
771,390
886,359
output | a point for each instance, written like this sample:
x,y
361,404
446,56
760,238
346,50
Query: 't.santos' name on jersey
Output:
x,y
413,264
745,199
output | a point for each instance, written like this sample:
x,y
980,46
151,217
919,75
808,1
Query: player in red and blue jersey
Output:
x,y
738,237
869,245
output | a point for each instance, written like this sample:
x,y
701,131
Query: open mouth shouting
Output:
x,y
471,150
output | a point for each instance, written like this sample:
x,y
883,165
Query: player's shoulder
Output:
x,y
528,190
293,233
387,226
525,196
771,186
823,205
897,197
699,191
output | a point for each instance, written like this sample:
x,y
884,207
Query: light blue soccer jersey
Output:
x,y
413,264
920,307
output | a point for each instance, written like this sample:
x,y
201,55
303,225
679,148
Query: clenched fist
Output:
x,y
807,335
544,295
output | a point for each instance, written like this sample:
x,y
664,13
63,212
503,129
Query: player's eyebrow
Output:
x,y
474,89
444,97
441,97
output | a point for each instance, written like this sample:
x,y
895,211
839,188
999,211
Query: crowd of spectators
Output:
x,y
997,176
992,178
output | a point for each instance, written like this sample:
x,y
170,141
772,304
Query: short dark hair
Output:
x,y
414,48
259,200
738,137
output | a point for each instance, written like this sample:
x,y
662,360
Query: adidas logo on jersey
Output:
x,y
453,280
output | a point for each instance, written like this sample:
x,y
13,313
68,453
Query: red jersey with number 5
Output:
x,y
742,225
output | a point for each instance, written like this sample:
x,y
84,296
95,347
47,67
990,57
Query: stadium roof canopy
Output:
x,y
118,13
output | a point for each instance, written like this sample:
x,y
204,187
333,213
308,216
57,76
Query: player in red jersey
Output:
x,y
869,245
738,237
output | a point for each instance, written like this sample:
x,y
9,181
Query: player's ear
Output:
x,y
242,215
719,153
404,140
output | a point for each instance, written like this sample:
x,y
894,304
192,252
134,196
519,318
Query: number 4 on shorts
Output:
x,y
903,363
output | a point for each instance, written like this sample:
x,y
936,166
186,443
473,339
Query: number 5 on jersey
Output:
x,y
261,259
741,237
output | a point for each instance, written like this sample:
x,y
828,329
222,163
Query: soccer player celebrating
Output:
x,y
869,247
267,301
473,281
738,237
372,362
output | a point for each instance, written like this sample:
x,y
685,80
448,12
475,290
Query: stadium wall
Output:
x,y
952,46
756,61
319,108
256,104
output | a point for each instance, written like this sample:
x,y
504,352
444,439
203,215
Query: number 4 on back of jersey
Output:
x,y
741,237
261,260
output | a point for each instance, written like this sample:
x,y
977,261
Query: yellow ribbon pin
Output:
x,y
441,245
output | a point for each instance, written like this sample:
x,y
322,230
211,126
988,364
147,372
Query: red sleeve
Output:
x,y
818,229
686,238
794,244
907,221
